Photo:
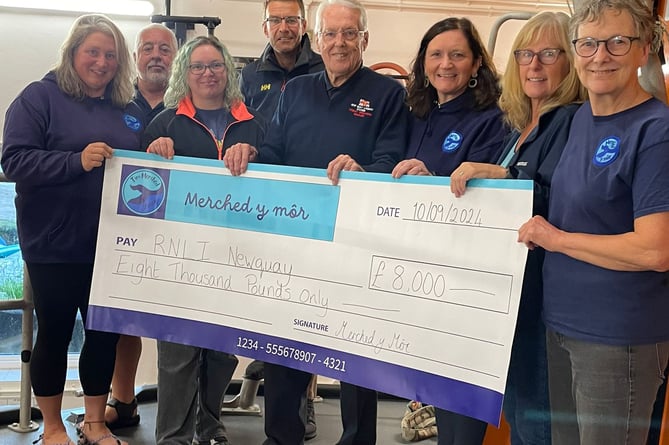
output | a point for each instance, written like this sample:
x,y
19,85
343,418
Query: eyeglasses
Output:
x,y
291,20
199,68
546,56
329,36
616,45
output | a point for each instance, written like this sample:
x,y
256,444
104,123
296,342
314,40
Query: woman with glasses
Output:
x,y
540,89
204,116
453,96
58,133
606,293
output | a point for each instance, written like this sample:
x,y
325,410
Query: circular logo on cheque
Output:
x,y
143,191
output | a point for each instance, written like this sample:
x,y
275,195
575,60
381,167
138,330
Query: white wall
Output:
x,y
30,47
31,40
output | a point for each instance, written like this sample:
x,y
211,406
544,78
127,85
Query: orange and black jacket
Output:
x,y
192,138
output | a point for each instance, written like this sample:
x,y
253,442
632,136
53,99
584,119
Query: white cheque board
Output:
x,y
394,285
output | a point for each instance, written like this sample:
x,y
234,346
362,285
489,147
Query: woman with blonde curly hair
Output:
x,y
204,116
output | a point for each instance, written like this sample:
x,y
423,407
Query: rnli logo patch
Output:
x,y
451,142
607,151
361,109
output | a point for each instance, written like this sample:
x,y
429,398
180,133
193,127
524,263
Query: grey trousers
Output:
x,y
191,385
602,394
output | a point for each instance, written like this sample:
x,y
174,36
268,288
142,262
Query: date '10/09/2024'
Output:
x,y
435,212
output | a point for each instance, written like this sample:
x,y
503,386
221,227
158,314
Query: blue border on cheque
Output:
x,y
512,184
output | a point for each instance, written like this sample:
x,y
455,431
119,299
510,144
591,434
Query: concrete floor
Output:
x,y
248,430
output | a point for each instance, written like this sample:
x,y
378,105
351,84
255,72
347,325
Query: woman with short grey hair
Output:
x,y
607,238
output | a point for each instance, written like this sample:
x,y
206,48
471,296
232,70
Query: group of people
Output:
x,y
591,346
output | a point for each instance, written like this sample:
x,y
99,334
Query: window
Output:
x,y
11,288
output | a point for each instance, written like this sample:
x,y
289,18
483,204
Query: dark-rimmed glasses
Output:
x,y
199,68
547,56
291,20
616,45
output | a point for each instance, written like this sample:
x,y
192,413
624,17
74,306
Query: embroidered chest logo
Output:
x,y
265,87
607,151
132,122
451,142
362,109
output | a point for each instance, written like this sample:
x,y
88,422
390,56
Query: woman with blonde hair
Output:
x,y
540,94
58,133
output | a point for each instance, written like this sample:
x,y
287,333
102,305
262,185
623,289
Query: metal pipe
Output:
x,y
26,424
492,39
7,305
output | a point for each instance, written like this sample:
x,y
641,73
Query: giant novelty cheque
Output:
x,y
389,284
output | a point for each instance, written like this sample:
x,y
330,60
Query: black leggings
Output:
x,y
59,290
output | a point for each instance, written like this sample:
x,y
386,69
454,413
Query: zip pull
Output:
x,y
219,147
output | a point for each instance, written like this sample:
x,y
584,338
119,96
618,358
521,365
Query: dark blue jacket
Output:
x,y
366,118
455,132
536,160
148,113
263,81
57,202
540,152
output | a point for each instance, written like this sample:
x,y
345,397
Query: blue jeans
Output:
x,y
602,394
526,404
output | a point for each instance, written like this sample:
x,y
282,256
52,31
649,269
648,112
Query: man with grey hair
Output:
x,y
366,130
155,47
